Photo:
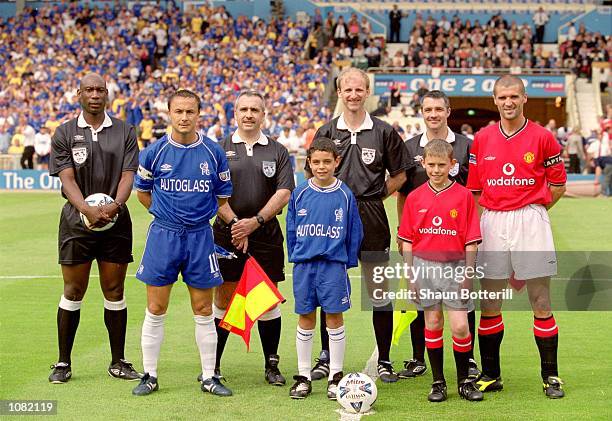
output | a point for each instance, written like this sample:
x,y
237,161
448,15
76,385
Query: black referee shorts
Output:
x,y
78,244
376,237
265,245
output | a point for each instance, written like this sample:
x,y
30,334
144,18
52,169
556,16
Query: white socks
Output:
x,y
151,340
206,338
337,345
303,344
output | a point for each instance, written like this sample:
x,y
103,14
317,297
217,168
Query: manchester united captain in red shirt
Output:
x,y
517,174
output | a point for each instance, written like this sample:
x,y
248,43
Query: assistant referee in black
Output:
x,y
262,177
94,153
435,107
369,148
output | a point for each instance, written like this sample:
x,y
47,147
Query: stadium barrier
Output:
x,y
41,180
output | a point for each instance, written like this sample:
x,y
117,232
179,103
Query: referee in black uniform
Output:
x,y
94,153
436,109
263,180
369,148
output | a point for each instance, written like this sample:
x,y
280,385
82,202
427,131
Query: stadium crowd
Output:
x,y
146,53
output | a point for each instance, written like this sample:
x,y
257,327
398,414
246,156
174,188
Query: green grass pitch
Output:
x,y
30,288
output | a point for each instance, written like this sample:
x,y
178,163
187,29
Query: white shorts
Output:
x,y
440,283
518,241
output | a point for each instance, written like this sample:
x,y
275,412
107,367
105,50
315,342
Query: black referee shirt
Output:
x,y
98,157
366,155
416,174
257,172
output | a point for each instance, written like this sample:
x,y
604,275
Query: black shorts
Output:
x,y
265,245
376,237
78,244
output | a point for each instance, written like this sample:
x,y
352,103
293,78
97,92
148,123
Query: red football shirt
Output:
x,y
515,171
440,224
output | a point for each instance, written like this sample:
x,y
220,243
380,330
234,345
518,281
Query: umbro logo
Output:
x,y
230,153
422,210
337,142
418,158
489,158
166,167
302,212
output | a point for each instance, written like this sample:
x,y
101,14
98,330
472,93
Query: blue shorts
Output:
x,y
321,283
170,250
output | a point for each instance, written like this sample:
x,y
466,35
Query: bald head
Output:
x,y
92,79
507,81
93,94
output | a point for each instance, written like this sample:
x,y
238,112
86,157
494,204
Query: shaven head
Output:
x,y
438,148
91,79
507,81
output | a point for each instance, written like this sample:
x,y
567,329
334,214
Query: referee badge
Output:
x,y
79,155
367,155
269,168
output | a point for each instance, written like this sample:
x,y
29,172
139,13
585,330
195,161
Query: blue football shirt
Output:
x,y
185,180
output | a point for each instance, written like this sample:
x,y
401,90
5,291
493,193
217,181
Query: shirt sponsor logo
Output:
x,y
302,212
144,173
269,168
184,185
225,175
455,170
529,157
79,154
436,221
508,169
368,155
318,230
166,167
338,213
204,168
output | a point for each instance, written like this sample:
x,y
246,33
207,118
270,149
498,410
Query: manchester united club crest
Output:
x,y
529,157
269,168
368,155
79,155
453,213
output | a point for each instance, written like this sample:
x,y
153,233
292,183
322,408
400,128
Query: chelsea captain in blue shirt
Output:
x,y
182,180
324,234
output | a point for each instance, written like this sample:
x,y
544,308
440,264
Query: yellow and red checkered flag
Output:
x,y
255,294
